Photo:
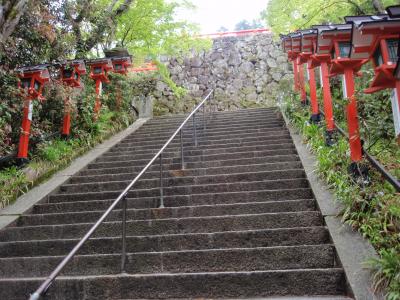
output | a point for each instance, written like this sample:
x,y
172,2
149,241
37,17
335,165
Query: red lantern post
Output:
x,y
98,71
339,37
292,56
376,38
305,57
71,72
296,50
31,82
321,57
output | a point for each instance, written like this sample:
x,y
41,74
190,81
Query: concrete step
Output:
x,y
169,212
172,242
310,282
167,226
194,261
92,176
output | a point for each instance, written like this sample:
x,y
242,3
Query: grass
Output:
x,y
374,209
55,155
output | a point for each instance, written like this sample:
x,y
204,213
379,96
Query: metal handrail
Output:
x,y
43,288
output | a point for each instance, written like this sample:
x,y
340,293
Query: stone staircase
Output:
x,y
240,221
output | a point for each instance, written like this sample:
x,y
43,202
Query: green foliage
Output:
x,y
148,29
286,16
56,154
373,210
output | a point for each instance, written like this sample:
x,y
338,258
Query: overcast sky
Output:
x,y
212,14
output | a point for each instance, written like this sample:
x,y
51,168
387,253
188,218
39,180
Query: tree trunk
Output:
x,y
10,14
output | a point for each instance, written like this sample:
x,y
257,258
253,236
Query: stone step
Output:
x,y
190,146
167,226
213,129
188,200
172,242
202,151
60,203
210,131
169,212
87,176
205,139
200,156
175,164
176,168
197,189
194,261
247,284
182,180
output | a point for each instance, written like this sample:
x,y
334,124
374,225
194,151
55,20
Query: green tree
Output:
x,y
284,16
245,24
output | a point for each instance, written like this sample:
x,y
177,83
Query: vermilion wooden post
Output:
x,y
303,95
97,104
313,94
67,117
326,88
296,76
352,118
25,130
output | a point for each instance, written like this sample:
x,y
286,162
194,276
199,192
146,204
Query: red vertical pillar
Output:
x,y
313,94
67,118
352,118
97,104
301,84
295,74
25,130
328,110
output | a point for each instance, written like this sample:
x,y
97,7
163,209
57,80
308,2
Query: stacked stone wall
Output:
x,y
245,71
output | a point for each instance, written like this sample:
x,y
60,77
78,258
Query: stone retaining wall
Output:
x,y
245,72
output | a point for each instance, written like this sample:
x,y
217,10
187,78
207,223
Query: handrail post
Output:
x,y
204,119
194,129
161,183
182,158
123,251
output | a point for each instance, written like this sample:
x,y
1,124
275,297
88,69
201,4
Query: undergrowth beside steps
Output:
x,y
374,209
55,155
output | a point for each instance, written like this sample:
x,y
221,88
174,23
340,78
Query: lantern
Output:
x,y
98,71
32,80
70,73
121,64
377,38
337,42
